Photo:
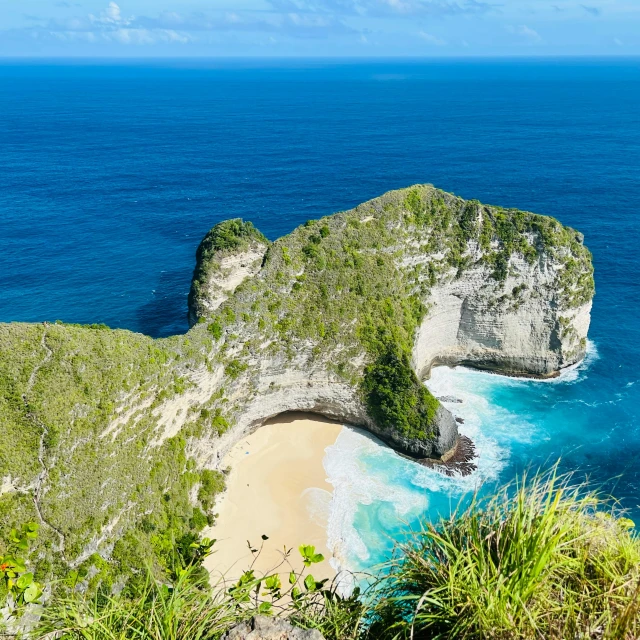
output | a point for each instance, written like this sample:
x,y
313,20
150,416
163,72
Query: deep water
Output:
x,y
110,174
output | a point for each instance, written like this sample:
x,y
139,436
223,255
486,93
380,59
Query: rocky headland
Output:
x,y
114,441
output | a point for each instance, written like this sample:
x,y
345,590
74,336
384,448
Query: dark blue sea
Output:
x,y
110,174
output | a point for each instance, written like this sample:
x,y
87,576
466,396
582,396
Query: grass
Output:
x,y
542,558
188,609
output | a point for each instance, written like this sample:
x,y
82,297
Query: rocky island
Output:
x,y
113,441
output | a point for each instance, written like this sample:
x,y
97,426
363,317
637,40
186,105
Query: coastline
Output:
x,y
277,487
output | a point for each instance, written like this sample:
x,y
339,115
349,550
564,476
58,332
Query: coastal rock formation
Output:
x,y
521,326
228,255
113,441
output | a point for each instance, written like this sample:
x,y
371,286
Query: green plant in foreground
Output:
x,y
19,582
186,610
540,559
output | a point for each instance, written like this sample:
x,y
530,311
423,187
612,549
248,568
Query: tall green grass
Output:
x,y
541,559
188,609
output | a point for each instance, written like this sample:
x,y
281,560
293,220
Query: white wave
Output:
x,y
354,484
575,371
318,504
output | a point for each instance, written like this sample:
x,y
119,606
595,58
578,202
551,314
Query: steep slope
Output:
x,y
113,440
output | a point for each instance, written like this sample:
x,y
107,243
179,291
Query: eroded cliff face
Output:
x,y
518,327
112,437
229,254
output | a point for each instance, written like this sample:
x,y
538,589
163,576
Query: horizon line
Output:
x,y
221,58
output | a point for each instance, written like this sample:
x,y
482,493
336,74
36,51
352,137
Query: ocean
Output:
x,y
111,173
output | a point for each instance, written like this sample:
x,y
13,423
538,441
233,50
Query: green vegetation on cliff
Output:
x,y
394,395
110,438
87,471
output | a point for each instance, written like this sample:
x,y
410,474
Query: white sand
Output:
x,y
277,487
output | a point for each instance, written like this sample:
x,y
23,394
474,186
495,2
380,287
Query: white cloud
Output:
x,y
431,39
113,24
113,12
380,8
110,16
525,32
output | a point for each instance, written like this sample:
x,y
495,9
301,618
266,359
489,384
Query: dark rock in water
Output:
x,y
459,420
264,628
450,399
460,463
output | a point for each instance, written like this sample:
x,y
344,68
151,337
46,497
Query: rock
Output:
x,y
520,323
450,399
265,628
228,255
459,420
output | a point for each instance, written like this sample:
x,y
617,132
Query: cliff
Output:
x,y
113,441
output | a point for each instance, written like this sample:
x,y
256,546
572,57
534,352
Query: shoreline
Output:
x,y
277,487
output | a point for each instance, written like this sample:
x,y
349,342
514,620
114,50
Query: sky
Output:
x,y
322,28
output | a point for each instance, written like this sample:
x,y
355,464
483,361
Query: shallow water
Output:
x,y
111,174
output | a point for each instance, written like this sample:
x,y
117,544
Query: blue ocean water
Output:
x,y
110,174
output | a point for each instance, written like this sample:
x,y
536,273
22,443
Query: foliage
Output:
x,y
184,610
396,398
228,235
18,582
235,368
539,559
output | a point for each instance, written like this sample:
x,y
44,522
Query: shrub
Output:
x,y
235,368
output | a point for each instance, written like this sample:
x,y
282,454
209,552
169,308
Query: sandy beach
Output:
x,y
277,487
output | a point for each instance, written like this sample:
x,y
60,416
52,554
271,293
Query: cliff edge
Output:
x,y
113,441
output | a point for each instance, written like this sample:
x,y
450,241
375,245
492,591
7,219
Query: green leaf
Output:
x,y
310,583
292,578
32,592
308,553
273,582
265,607
317,557
24,580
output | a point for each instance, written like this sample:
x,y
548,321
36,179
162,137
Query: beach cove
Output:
x,y
276,487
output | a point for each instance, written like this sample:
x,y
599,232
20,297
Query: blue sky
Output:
x,y
137,28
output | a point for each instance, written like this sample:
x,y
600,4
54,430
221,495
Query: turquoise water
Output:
x,y
110,174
